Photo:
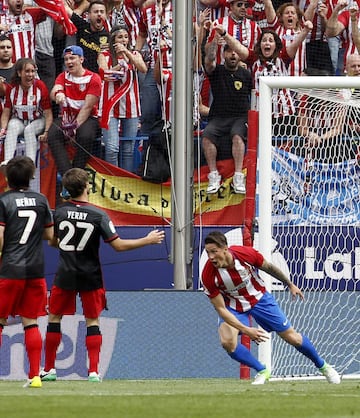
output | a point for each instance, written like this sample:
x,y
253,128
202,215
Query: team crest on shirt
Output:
x,y
82,87
238,85
103,40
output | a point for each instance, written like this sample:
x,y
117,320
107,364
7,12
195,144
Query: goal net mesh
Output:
x,y
315,226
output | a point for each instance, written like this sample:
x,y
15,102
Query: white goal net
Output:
x,y
309,213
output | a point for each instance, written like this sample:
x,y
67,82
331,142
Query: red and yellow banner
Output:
x,y
131,201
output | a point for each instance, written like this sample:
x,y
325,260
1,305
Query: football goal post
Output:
x,y
309,216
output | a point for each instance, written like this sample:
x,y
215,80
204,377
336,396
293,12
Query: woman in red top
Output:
x,y
27,110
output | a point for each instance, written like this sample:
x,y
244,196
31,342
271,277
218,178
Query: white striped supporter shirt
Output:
x,y
247,32
22,31
129,104
28,105
77,88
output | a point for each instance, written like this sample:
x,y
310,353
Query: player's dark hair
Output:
x,y
19,171
217,238
75,181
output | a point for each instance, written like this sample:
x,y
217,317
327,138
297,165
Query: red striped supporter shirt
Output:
x,y
298,64
150,24
282,103
165,90
247,32
77,88
241,286
130,15
129,104
28,105
22,31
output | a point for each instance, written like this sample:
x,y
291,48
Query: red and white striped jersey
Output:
x,y
298,64
221,10
258,14
28,105
318,31
241,286
77,88
165,90
130,15
246,31
282,103
129,104
346,34
150,24
22,31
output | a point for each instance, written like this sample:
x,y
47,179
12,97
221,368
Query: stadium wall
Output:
x,y
146,335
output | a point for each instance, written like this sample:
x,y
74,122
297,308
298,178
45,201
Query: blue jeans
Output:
x,y
120,152
150,103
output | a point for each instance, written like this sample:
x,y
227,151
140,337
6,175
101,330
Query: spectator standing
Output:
x,y
77,91
236,24
236,291
119,66
342,22
270,58
124,13
20,25
25,220
154,26
317,47
6,67
91,33
6,64
287,23
231,89
27,110
79,270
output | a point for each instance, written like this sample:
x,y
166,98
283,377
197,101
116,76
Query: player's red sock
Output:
x,y
52,342
93,345
33,345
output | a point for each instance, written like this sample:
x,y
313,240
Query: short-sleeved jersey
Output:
x,y
77,88
231,92
92,42
25,215
22,31
241,286
28,104
247,32
79,227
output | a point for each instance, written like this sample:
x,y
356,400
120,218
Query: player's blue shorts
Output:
x,y
266,313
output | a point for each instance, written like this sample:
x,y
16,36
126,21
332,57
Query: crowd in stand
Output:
x,y
103,69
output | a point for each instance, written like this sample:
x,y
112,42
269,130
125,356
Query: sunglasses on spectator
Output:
x,y
241,3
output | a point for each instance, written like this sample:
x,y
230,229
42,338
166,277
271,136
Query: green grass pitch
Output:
x,y
183,398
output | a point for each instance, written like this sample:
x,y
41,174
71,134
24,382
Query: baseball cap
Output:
x,y
73,50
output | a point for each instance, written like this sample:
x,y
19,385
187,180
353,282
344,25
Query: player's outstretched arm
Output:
x,y
153,237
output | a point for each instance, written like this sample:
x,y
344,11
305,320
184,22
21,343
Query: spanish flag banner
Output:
x,y
131,201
